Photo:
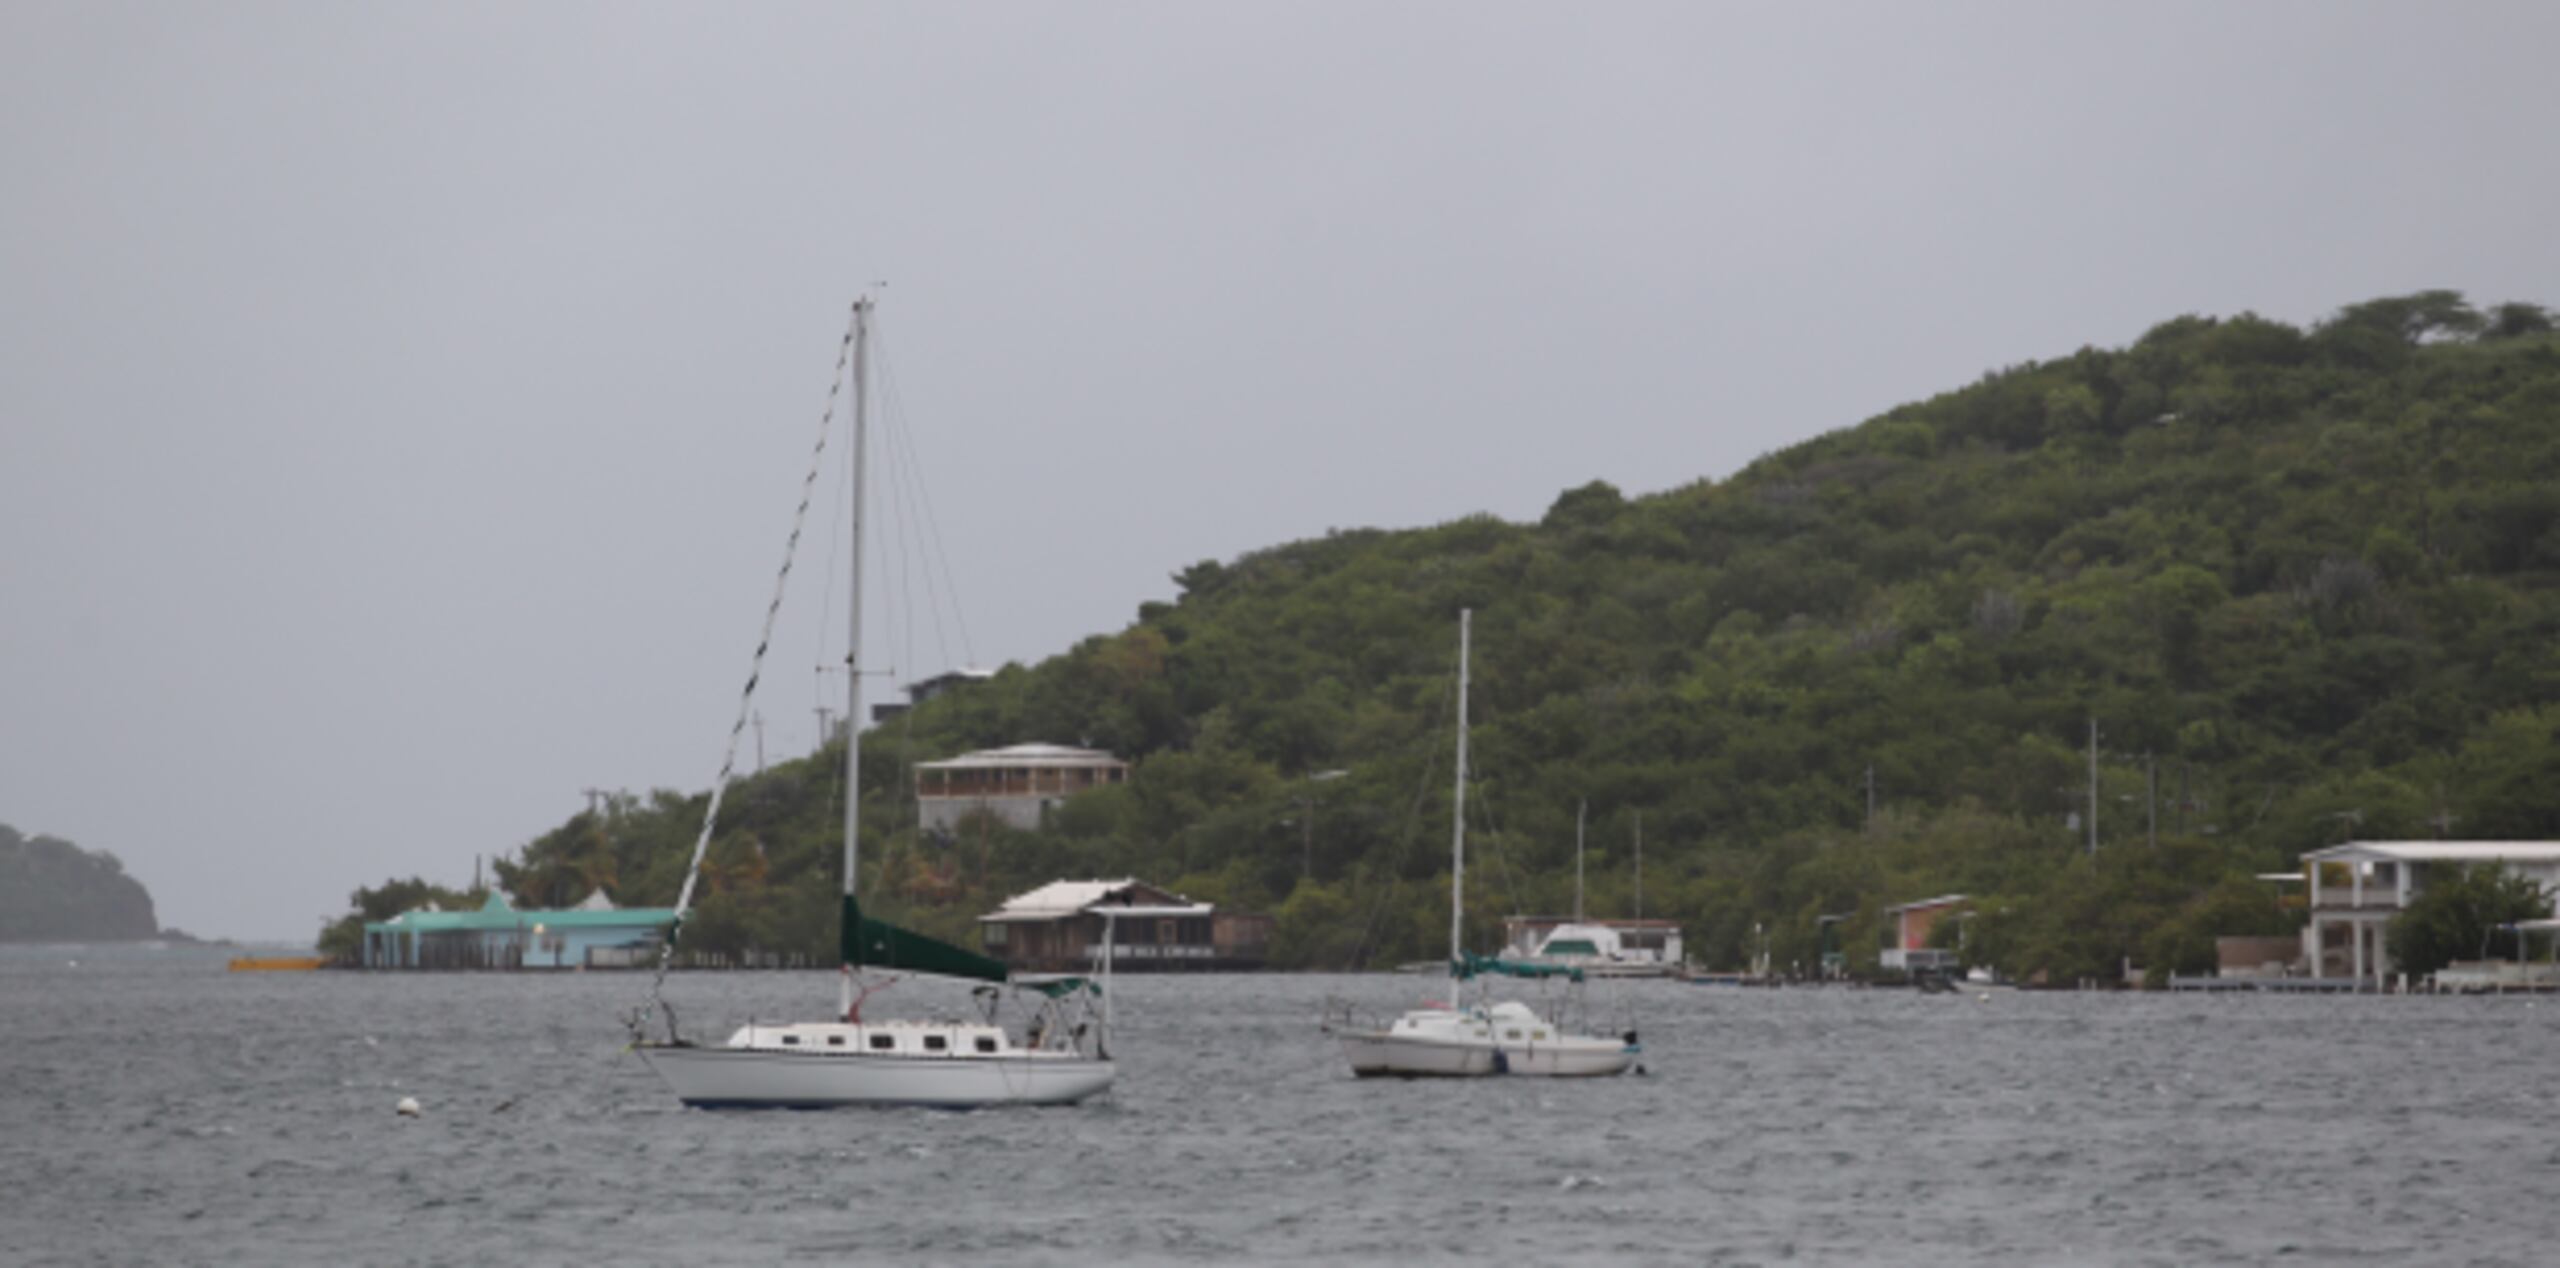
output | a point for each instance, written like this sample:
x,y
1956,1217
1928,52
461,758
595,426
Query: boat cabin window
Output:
x,y
835,1041
1511,1034
883,1043
791,1039
936,1043
986,1043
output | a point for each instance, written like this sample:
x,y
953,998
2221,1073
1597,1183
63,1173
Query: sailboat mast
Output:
x,y
853,623
1458,825
1580,810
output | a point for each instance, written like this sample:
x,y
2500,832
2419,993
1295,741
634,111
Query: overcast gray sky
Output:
x,y
401,405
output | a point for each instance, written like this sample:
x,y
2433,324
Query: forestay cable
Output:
x,y
746,697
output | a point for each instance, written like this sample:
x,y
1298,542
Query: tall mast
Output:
x,y
1580,810
1458,824
853,626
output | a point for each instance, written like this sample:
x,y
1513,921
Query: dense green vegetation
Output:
x,y
2305,582
54,891
343,939
2463,916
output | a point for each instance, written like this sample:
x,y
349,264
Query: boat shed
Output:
x,y
1061,926
594,934
1906,931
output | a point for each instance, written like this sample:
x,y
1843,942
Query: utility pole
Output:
x,y
2444,821
595,798
1871,796
1639,865
1580,810
2093,785
826,725
2186,798
2151,795
1307,841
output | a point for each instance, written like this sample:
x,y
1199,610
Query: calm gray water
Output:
x,y
154,1108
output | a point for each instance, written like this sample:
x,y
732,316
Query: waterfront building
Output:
x,y
594,934
1905,936
1059,928
2357,888
1018,786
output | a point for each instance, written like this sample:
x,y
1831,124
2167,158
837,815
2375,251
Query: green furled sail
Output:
x,y
881,945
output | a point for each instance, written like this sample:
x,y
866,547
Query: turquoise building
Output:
x,y
594,934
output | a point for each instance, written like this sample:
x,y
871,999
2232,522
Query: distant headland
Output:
x,y
54,891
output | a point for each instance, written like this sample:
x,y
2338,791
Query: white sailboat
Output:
x,y
1462,1040
1600,948
1063,1055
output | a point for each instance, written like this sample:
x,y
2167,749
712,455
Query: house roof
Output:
x,y
1942,900
2438,852
1026,755
1060,899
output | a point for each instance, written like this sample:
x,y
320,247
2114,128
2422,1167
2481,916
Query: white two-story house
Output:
x,y
2358,887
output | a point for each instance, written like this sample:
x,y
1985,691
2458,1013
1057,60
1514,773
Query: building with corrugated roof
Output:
x,y
1018,786
1061,926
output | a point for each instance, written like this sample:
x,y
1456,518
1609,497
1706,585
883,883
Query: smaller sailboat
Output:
x,y
1600,948
1459,1039
1064,1054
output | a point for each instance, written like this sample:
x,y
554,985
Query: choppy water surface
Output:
x,y
154,1108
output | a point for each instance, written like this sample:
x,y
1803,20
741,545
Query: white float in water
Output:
x,y
408,1107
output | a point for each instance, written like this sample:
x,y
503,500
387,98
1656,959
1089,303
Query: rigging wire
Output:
x,y
746,697
1413,823
818,706
905,459
1493,847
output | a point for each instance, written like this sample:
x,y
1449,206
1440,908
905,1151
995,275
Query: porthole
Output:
x,y
986,1043
936,1043
793,1040
835,1041
882,1043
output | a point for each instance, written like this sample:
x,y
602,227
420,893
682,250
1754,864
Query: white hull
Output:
x,y
1383,1054
1609,968
1505,1039
756,1078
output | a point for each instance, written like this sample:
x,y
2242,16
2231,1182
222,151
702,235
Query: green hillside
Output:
x,y
2307,583
54,891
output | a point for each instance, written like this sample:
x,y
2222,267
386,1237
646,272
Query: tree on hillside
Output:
x,y
343,938
2459,917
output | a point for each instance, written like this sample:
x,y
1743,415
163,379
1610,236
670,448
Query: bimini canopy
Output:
x,y
1468,966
